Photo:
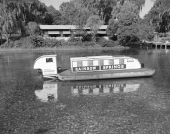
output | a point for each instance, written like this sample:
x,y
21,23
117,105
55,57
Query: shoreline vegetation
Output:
x,y
71,48
34,43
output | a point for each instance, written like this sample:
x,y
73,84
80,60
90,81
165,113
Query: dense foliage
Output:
x,y
15,16
159,16
122,17
127,25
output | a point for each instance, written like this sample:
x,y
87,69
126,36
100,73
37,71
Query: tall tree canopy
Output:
x,y
7,22
74,13
121,15
56,15
126,23
102,8
25,11
159,16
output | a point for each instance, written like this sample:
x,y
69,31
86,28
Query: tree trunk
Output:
x,y
22,28
94,38
7,38
23,32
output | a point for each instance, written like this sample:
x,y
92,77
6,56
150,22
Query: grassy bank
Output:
x,y
70,48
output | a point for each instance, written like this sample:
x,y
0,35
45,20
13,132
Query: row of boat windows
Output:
x,y
97,62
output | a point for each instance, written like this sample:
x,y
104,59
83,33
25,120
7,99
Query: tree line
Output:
x,y
15,16
121,16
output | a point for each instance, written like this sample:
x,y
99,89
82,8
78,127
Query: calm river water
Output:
x,y
29,105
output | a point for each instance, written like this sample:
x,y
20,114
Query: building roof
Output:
x,y
55,27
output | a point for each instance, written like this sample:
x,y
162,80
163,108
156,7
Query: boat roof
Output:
x,y
87,57
45,56
99,57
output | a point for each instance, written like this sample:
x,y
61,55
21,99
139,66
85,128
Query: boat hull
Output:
x,y
129,73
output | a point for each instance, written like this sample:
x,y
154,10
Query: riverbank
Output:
x,y
68,48
39,44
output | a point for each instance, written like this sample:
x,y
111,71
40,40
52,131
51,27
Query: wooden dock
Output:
x,y
158,44
161,45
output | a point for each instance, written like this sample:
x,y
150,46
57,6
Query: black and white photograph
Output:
x,y
84,66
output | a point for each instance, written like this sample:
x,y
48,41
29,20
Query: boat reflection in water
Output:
x,y
49,93
54,90
104,89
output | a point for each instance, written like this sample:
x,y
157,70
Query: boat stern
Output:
x,y
46,65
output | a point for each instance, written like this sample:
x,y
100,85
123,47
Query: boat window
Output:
x,y
116,61
95,63
130,60
106,62
74,64
90,63
79,63
121,61
49,59
85,63
111,62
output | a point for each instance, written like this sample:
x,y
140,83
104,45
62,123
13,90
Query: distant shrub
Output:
x,y
76,44
52,43
2,41
23,43
7,45
75,39
106,43
89,44
33,28
37,41
20,43
87,37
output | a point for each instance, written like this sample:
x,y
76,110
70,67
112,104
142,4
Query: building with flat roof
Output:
x,y
66,31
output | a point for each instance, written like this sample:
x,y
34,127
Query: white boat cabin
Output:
x,y
103,63
48,64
